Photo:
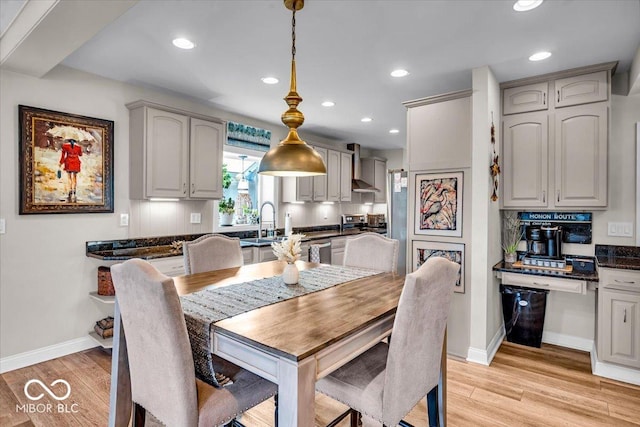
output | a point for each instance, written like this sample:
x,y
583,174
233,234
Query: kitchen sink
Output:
x,y
262,240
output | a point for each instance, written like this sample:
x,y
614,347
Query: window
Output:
x,y
243,191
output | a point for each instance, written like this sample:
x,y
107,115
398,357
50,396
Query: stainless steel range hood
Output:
x,y
357,184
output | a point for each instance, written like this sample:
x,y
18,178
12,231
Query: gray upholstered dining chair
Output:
x,y
161,365
371,250
212,252
388,380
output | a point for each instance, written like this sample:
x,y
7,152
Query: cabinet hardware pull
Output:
x,y
558,197
544,197
184,188
614,288
193,188
544,98
558,95
624,318
540,284
630,282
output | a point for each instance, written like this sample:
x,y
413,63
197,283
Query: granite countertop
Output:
x,y
623,257
508,267
171,246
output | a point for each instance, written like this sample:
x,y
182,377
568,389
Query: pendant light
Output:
x,y
243,184
292,156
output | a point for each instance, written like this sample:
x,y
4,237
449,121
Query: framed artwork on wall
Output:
x,y
423,250
66,162
438,204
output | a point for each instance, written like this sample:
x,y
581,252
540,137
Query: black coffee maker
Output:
x,y
544,241
553,239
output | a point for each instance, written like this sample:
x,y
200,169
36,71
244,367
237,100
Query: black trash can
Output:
x,y
523,311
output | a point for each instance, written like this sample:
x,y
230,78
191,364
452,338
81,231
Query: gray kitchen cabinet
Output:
x,y
247,256
335,186
265,253
206,141
525,160
557,158
173,154
374,171
320,181
522,99
333,176
337,250
618,338
346,172
581,156
170,266
582,89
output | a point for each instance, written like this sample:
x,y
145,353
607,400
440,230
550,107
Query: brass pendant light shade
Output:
x,y
292,156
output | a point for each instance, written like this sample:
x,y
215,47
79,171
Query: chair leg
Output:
x,y
275,401
432,407
355,415
356,418
138,415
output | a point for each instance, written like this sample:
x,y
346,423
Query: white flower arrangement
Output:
x,y
288,250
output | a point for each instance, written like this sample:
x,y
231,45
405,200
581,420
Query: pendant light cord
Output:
x,y
293,33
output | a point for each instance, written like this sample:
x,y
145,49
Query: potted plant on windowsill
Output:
x,y
511,235
226,209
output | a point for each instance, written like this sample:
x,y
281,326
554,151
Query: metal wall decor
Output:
x,y
495,166
66,162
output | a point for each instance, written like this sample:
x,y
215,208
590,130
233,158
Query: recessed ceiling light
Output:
x,y
366,119
183,43
399,73
394,131
524,5
328,104
539,56
270,80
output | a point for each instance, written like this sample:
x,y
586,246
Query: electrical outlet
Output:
x,y
124,220
196,218
3,226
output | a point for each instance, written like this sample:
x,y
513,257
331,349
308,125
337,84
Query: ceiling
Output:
x,y
346,50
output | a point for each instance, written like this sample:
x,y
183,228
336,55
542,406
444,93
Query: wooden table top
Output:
x,y
299,327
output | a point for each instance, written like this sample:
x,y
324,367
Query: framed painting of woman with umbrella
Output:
x,y
66,162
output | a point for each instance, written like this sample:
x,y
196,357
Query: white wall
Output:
x,y
486,318
45,276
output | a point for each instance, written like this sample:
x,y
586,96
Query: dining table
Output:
x,y
293,342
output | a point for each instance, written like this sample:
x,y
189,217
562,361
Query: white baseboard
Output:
x,y
614,372
569,341
43,354
485,356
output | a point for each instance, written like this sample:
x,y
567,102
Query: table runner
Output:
x,y
202,309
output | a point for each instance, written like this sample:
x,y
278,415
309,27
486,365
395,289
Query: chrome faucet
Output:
x,y
260,217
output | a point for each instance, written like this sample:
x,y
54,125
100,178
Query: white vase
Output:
x,y
226,219
510,257
290,274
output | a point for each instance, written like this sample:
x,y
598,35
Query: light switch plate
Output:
x,y
620,229
124,220
3,226
196,217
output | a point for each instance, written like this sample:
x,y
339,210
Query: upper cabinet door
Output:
x,y
320,181
581,156
525,164
206,140
345,177
380,181
333,176
522,99
167,151
581,89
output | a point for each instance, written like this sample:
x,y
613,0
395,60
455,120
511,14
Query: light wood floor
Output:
x,y
523,386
